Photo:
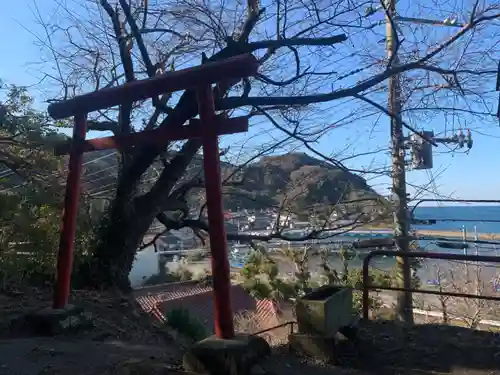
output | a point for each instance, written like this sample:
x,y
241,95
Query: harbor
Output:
x,y
182,247
333,241
148,262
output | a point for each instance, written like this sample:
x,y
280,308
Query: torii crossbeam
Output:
x,y
208,128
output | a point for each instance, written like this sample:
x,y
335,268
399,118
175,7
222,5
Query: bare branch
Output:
x,y
244,237
110,126
275,44
388,113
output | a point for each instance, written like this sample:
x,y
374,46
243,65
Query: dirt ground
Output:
x,y
388,347
124,341
115,315
48,356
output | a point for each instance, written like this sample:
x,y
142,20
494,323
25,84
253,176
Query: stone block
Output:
x,y
217,356
317,347
324,310
51,322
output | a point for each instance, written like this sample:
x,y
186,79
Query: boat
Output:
x,y
373,243
452,245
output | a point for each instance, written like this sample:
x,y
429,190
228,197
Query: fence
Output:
x,y
427,255
283,337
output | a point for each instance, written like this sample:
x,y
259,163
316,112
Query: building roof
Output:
x,y
198,300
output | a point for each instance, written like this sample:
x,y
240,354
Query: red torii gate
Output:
x,y
208,127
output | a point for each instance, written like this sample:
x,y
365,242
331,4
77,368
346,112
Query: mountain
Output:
x,y
298,182
294,181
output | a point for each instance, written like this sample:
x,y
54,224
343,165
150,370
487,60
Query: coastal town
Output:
x,y
184,250
291,232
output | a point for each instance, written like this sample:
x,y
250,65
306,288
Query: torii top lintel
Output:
x,y
219,71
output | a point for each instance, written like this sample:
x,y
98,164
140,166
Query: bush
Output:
x,y
184,323
31,203
262,280
29,237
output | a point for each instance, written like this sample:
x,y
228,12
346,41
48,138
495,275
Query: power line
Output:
x,y
54,174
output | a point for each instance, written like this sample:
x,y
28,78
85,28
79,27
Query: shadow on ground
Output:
x,y
50,356
123,339
389,347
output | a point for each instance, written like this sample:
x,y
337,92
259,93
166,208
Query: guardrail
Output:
x,y
461,257
290,324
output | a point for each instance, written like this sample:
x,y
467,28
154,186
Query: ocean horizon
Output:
x,y
482,218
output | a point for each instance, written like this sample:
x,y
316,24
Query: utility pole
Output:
x,y
404,309
421,151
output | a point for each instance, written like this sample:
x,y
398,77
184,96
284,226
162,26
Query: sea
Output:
x,y
486,219
471,219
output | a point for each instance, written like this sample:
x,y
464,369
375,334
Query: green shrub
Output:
x,y
31,203
30,225
184,323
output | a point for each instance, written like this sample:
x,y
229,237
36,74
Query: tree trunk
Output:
x,y
130,217
120,235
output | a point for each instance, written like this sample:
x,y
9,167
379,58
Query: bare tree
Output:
x,y
311,52
467,278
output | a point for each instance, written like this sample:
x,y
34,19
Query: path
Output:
x,y
122,341
49,356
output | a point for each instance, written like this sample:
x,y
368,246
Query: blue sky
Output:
x,y
473,176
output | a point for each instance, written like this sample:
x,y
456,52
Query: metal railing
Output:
x,y
290,324
444,256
